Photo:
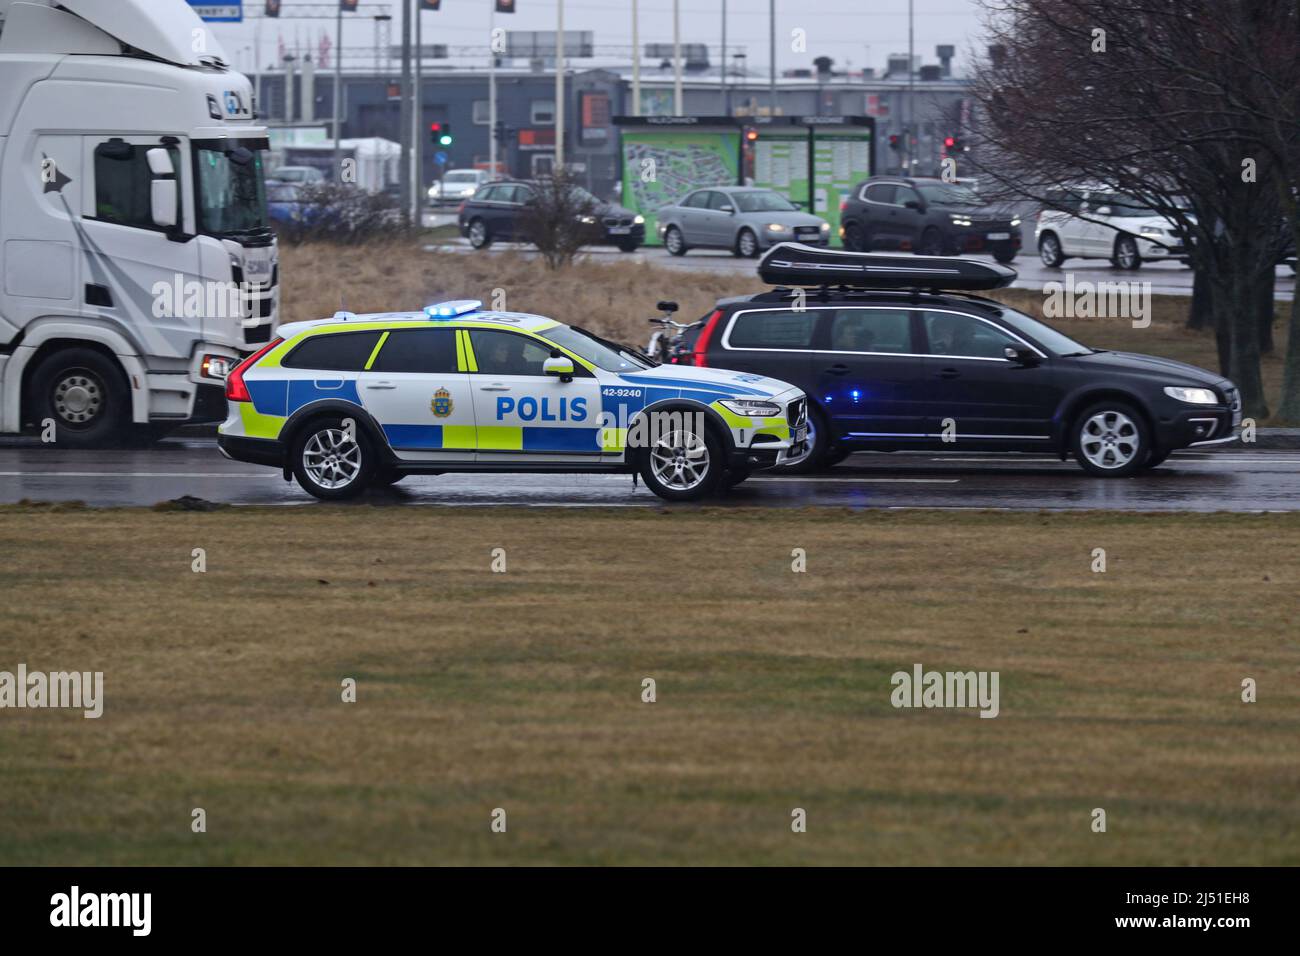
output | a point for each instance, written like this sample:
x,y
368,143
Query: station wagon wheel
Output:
x,y
1110,440
683,464
674,242
931,243
854,239
1049,250
1126,254
478,234
332,461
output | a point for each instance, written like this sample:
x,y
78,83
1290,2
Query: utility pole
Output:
x,y
722,63
338,93
911,96
559,85
492,90
677,59
404,123
636,63
771,45
417,124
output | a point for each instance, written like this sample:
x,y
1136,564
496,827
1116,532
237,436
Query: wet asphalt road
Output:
x,y
1232,479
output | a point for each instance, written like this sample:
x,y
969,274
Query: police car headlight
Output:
x,y
1193,396
752,409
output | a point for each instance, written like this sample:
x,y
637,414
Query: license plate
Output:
x,y
619,230
999,235
800,434
257,269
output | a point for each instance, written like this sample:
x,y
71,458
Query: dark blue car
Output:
x,y
894,354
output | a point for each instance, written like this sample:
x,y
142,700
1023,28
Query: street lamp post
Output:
x,y
677,59
338,92
559,85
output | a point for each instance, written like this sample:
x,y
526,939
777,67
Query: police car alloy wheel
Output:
x,y
329,462
1110,440
682,465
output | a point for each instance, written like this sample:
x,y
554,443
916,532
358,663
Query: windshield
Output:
x,y
232,190
459,177
949,194
1044,334
282,192
597,351
766,201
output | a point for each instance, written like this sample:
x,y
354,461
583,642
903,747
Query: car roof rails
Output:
x,y
796,264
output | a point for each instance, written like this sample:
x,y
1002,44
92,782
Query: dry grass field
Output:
x,y
522,690
616,298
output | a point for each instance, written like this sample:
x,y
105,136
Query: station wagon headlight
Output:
x,y
752,409
959,220
638,220
1193,396
1015,222
1151,232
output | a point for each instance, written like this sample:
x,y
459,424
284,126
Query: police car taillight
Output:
x,y
236,390
699,353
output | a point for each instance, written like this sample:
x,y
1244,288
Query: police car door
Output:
x,y
523,414
423,402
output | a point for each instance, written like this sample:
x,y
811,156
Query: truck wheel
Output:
x,y
85,394
327,463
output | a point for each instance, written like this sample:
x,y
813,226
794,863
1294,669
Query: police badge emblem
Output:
x,y
442,403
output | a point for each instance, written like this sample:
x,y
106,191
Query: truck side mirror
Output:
x,y
163,193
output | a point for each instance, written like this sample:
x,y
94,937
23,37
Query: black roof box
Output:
x,y
795,264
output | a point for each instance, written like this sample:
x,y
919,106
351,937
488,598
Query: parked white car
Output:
x,y
1102,223
456,186
300,175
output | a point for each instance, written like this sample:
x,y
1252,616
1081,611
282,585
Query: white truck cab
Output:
x,y
137,263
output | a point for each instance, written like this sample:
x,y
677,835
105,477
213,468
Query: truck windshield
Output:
x,y
232,190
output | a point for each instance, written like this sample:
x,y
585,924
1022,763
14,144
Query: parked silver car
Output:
x,y
744,219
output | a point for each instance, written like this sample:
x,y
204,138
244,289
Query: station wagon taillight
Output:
x,y
700,352
236,390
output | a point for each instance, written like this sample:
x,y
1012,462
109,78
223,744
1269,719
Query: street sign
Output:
x,y
231,11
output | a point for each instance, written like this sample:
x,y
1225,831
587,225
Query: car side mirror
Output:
x,y
666,305
913,204
559,365
728,209
1102,210
163,190
1021,355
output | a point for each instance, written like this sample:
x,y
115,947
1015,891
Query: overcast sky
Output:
x,y
855,33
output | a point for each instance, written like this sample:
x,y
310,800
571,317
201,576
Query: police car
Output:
x,y
360,400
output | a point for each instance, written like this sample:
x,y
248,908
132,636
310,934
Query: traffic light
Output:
x,y
505,6
499,131
349,6
430,4
272,8
440,134
751,135
949,142
895,141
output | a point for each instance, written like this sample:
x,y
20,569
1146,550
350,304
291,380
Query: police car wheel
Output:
x,y
1111,440
683,465
328,463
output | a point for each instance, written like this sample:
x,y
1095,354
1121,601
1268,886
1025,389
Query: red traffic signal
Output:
x,y
895,141
349,6
751,135
430,4
950,141
505,6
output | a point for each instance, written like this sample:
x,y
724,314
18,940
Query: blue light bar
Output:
x,y
449,310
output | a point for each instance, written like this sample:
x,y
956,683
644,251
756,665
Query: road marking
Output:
x,y
137,474
794,479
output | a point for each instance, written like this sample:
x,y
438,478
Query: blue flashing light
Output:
x,y
449,310
856,394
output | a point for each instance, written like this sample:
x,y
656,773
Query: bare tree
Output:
x,y
560,218
1187,106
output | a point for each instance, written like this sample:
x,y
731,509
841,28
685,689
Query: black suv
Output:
x,y
496,213
927,216
889,362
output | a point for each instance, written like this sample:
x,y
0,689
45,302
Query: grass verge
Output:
x,y
522,690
